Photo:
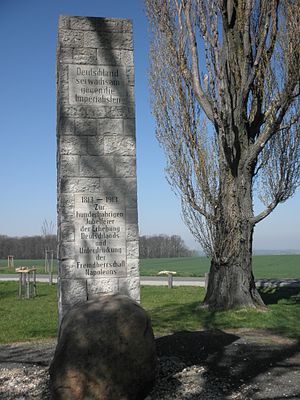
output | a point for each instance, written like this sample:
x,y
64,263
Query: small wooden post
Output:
x,y
34,283
170,281
51,269
46,260
49,264
170,277
10,261
20,284
27,286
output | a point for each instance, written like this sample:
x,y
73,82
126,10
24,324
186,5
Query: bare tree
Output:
x,y
158,246
25,247
47,230
224,77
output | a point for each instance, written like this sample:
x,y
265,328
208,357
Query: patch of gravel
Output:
x,y
24,370
22,382
245,365
175,381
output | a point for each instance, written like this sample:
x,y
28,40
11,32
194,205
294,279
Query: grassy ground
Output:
x,y
279,266
177,309
22,320
171,310
38,264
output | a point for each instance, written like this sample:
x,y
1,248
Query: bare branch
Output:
x,y
264,213
280,168
225,79
202,97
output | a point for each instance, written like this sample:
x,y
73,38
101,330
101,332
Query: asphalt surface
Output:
x,y
145,280
177,281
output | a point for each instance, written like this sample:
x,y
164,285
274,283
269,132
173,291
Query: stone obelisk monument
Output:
x,y
96,160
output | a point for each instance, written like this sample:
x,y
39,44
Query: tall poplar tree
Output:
x,y
224,78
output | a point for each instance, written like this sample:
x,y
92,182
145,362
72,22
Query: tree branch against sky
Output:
x,y
224,77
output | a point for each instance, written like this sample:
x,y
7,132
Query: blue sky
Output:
x,y
28,31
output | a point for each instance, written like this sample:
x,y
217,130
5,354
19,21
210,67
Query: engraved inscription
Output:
x,y
96,85
100,235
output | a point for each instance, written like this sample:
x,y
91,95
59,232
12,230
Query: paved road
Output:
x,y
15,277
177,281
145,280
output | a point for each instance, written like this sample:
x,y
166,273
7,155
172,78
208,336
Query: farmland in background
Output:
x,y
264,266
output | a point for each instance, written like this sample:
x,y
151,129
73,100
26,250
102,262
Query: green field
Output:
x,y
39,264
185,266
269,266
277,266
170,310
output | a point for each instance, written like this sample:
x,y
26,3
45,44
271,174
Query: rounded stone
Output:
x,y
105,350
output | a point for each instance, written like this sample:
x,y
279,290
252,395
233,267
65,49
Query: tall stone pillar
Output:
x,y
96,160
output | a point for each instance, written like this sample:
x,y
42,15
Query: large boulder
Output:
x,y
105,351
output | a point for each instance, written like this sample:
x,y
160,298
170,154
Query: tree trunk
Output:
x,y
231,281
231,286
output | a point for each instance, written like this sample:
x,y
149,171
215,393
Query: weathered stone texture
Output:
x,y
66,269
132,250
121,146
96,145
80,185
84,56
110,126
66,55
75,111
71,38
86,127
130,75
109,56
63,74
66,126
106,350
130,287
96,160
129,127
66,203
131,214
133,270
72,292
126,167
67,232
126,57
100,24
132,232
66,249
73,145
127,186
97,166
63,22
99,286
114,40
69,165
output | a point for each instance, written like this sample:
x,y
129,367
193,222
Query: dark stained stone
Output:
x,y
105,350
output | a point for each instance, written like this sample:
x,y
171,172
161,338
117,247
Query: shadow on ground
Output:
x,y
255,364
35,353
243,364
235,365
273,295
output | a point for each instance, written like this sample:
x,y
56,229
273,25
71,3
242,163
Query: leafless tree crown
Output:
x,y
225,79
